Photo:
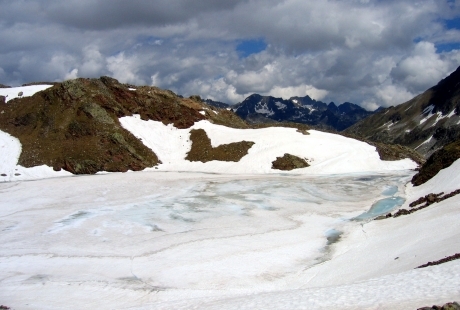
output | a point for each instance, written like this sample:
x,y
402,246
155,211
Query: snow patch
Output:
x,y
280,105
428,109
27,91
425,142
262,108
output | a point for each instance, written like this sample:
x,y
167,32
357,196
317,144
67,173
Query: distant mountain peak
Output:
x,y
256,109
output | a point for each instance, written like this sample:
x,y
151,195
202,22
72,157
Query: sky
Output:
x,y
369,52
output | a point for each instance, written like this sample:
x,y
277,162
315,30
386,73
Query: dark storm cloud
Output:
x,y
105,14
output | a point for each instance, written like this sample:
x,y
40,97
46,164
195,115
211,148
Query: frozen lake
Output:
x,y
152,237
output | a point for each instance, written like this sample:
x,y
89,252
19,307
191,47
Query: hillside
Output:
x,y
425,123
74,125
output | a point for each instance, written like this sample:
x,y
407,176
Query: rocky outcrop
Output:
x,y
448,306
203,151
441,159
289,162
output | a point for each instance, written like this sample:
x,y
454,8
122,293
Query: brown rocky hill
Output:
x,y
425,123
74,124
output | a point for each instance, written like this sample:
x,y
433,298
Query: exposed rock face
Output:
x,y
262,109
4,86
448,306
425,123
289,162
441,159
74,125
203,151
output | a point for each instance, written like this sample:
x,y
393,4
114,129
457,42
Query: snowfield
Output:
x,y
327,153
226,235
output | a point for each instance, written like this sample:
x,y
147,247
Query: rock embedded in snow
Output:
x,y
289,162
203,151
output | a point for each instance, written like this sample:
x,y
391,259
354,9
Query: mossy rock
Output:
x,y
289,162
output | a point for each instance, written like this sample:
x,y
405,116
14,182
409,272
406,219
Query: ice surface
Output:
x,y
178,240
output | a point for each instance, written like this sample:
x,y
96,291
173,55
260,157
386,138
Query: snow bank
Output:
x,y
26,90
327,153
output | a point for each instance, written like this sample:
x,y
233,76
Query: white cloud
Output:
x,y
124,68
422,69
93,61
300,91
71,75
393,95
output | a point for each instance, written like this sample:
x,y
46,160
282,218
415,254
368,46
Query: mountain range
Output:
x,y
305,110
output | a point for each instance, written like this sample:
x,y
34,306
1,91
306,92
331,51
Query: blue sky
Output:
x,y
369,52
249,47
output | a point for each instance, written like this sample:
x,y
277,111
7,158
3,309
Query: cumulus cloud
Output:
x,y
300,91
408,73
369,52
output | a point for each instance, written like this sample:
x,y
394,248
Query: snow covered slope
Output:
x,y
27,91
327,153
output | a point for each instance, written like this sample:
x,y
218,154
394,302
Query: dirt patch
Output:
x,y
203,151
289,162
